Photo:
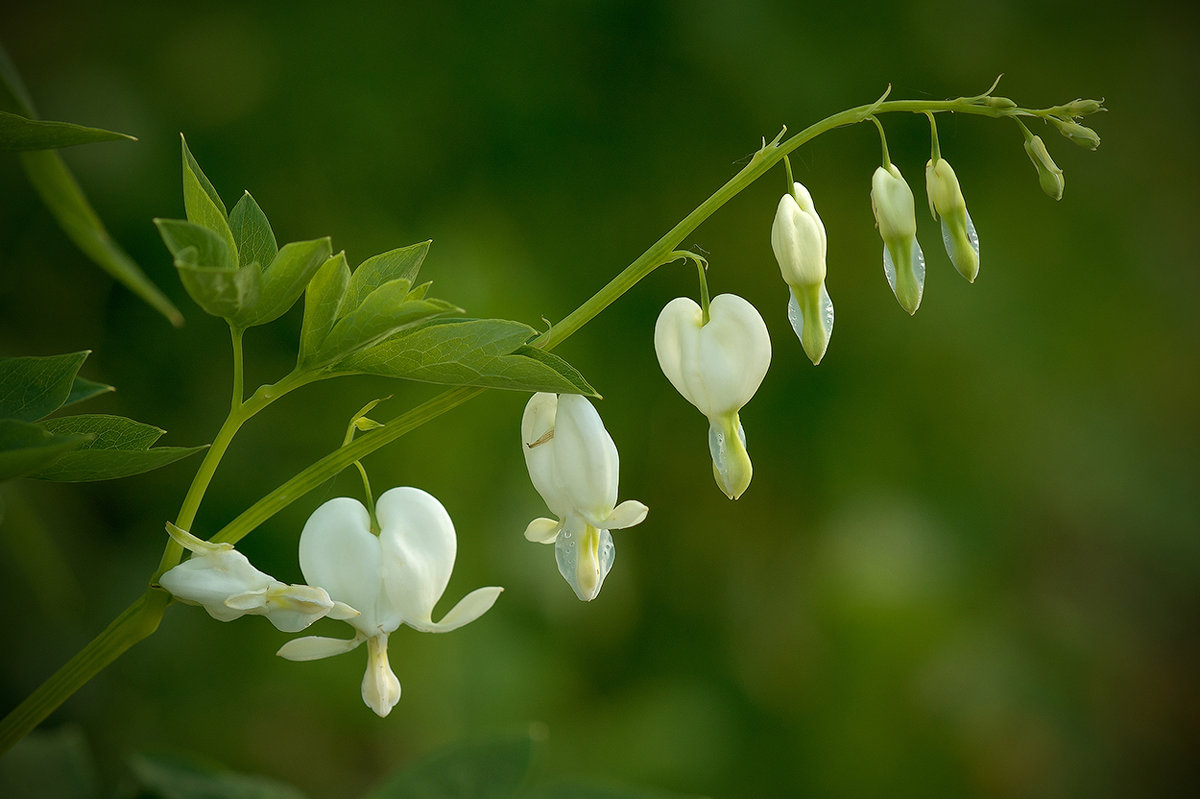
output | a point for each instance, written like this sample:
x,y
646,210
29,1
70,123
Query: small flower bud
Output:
x,y
1049,175
903,262
958,231
1082,108
1079,134
798,239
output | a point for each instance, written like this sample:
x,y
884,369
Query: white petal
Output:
x,y
539,447
798,240
418,553
543,531
380,688
719,366
628,514
735,353
291,608
677,344
210,578
586,456
342,612
339,553
468,609
315,647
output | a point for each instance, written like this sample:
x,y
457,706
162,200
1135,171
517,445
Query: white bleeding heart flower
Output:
x,y
798,239
224,582
394,577
958,231
574,466
895,215
717,367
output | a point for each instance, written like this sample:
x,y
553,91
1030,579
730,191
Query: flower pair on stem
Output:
x,y
374,579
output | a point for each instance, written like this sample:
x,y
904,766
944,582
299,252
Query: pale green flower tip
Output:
x,y
810,311
584,559
731,462
962,244
908,281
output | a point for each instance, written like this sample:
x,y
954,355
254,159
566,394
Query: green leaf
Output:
x,y
284,281
221,292
471,352
401,264
25,447
52,764
165,777
383,313
19,133
485,770
119,447
86,389
207,248
322,301
67,203
252,233
201,202
33,387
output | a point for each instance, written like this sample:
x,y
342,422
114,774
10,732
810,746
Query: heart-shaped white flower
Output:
x,y
392,578
717,367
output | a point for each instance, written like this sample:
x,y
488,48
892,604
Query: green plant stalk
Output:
x,y
142,617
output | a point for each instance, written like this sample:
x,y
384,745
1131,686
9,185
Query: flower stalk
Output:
x,y
142,617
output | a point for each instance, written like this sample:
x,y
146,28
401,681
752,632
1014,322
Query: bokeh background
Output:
x,y
967,565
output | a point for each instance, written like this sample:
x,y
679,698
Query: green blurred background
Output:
x,y
967,564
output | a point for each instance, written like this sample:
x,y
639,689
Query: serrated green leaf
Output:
x,y
66,202
383,313
118,447
208,249
252,233
86,389
486,770
34,387
166,777
284,281
26,447
21,133
322,300
401,264
201,202
470,352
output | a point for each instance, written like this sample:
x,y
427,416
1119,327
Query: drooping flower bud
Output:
x,y
717,367
574,466
798,239
1049,175
958,231
1081,135
895,215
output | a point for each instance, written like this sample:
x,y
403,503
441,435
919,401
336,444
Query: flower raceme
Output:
x,y
394,577
574,466
223,581
958,231
717,367
798,239
895,215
